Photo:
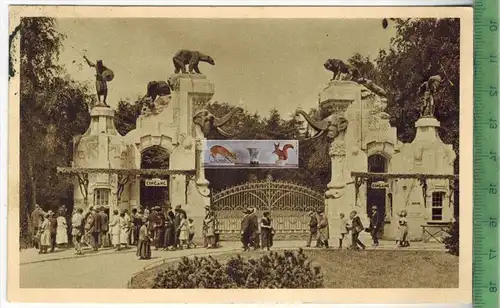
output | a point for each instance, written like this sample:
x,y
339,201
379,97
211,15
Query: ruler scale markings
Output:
x,y
485,151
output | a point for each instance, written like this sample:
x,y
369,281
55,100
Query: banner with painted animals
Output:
x,y
251,154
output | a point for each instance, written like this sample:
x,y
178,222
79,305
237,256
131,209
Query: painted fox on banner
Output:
x,y
222,151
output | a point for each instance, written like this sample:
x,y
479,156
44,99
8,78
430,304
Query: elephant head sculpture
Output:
x,y
208,122
332,125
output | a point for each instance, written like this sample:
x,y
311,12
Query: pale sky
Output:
x,y
259,63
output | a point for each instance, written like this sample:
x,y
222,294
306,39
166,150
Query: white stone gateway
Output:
x,y
370,145
170,127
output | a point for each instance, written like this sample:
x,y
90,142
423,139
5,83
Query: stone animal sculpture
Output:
x,y
339,68
372,87
282,153
222,151
332,125
157,88
191,58
102,76
208,122
427,91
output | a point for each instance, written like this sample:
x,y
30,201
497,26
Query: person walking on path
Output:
x,y
245,229
403,230
104,237
144,241
209,225
77,230
178,212
159,227
115,227
124,230
169,231
61,231
254,228
323,229
137,223
313,229
356,228
53,231
375,226
95,229
344,229
37,217
266,231
191,233
183,231
44,230
128,224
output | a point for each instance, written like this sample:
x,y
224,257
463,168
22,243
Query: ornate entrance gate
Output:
x,y
288,203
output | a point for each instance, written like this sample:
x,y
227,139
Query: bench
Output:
x,y
435,231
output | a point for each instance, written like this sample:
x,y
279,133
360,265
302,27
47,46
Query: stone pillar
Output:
x,y
192,92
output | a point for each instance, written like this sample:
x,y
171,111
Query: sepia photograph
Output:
x,y
240,151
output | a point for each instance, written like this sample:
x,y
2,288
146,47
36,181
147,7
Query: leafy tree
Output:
x,y
126,115
53,108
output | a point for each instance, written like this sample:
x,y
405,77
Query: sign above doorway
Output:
x,y
156,182
380,185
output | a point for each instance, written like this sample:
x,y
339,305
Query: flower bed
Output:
x,y
353,269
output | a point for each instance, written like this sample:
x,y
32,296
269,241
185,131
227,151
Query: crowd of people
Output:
x,y
168,229
172,229
353,226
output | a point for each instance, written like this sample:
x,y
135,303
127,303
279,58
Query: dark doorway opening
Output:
x,y
376,196
154,157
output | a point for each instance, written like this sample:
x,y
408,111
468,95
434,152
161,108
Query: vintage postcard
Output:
x,y
267,154
359,121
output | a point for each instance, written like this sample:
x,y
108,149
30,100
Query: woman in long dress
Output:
x,y
45,239
210,229
184,231
124,231
115,227
61,231
266,230
169,231
144,244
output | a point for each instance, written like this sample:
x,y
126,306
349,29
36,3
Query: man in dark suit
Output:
x,y
313,229
245,230
95,228
253,228
356,228
375,226
53,230
104,237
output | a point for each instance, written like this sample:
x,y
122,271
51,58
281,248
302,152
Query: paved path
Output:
x,y
111,269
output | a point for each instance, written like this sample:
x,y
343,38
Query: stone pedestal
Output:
x,y
101,146
427,129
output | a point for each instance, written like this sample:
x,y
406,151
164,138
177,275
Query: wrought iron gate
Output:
x,y
288,203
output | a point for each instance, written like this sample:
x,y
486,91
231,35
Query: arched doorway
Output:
x,y
376,194
154,157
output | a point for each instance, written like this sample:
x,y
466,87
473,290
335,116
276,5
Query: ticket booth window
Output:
x,y
101,197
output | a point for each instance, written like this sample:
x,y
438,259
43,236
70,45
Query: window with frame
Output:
x,y
437,205
101,197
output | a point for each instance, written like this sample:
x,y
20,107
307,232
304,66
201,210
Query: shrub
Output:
x,y
452,242
278,271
